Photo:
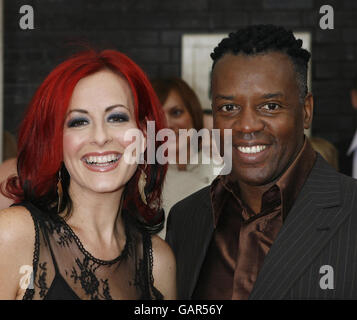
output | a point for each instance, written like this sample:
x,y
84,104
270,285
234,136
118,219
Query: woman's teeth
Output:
x,y
102,159
253,149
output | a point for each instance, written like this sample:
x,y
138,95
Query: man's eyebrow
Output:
x,y
223,97
107,109
273,95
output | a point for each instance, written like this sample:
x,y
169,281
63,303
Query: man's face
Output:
x,y
258,98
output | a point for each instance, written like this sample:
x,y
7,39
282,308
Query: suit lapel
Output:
x,y
203,230
310,224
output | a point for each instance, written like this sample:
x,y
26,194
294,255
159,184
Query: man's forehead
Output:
x,y
271,70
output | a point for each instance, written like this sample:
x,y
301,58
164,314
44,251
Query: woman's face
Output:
x,y
177,115
100,111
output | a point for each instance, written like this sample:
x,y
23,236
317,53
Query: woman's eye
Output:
x,y
118,117
271,107
176,112
77,122
229,107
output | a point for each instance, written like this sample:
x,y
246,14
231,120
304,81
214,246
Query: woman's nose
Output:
x,y
101,135
169,121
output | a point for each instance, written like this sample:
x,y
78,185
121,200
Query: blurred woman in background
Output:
x,y
183,111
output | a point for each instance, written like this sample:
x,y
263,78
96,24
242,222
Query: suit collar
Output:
x,y
310,224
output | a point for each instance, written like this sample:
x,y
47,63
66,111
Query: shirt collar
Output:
x,y
353,145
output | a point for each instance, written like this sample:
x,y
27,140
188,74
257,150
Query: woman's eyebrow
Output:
x,y
107,109
115,106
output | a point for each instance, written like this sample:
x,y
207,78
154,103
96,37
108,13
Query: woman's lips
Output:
x,y
101,162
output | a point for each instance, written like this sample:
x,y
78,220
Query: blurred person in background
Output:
x,y
183,110
348,147
326,149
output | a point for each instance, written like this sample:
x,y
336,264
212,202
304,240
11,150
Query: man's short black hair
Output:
x,y
258,39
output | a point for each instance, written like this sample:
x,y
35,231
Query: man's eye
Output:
x,y
78,122
229,108
271,107
118,117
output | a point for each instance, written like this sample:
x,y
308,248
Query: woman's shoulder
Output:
x,y
164,267
17,237
161,248
16,224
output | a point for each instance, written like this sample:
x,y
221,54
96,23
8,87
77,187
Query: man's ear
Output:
x,y
354,98
308,110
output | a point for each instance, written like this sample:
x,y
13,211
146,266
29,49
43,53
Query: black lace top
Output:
x,y
63,269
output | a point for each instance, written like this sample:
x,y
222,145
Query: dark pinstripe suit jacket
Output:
x,y
321,229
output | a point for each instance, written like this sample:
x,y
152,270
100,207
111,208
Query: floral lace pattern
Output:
x,y
89,281
59,252
42,279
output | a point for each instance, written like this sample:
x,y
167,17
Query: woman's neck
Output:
x,y
96,214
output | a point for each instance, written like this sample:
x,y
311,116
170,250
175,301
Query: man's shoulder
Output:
x,y
193,199
190,218
346,188
196,202
347,183
326,171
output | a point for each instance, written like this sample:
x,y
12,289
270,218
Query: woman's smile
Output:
x,y
101,162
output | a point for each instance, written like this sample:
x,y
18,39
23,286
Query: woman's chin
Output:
x,y
104,188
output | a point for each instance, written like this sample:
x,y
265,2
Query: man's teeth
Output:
x,y
102,159
253,149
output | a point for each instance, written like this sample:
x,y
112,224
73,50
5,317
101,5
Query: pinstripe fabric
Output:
x,y
321,229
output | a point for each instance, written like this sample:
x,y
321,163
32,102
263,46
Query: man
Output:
x,y
282,224
348,147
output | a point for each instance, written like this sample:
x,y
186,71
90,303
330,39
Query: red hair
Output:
x,y
40,150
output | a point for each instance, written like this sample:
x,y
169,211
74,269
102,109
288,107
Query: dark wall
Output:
x,y
149,31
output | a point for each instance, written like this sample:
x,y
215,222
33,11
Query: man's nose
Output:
x,y
248,121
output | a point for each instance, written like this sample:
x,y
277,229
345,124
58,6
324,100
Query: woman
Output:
x,y
183,111
89,212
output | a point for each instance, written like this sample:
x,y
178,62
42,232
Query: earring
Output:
x,y
59,191
142,184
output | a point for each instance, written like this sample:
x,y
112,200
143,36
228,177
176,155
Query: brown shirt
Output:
x,y
241,238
